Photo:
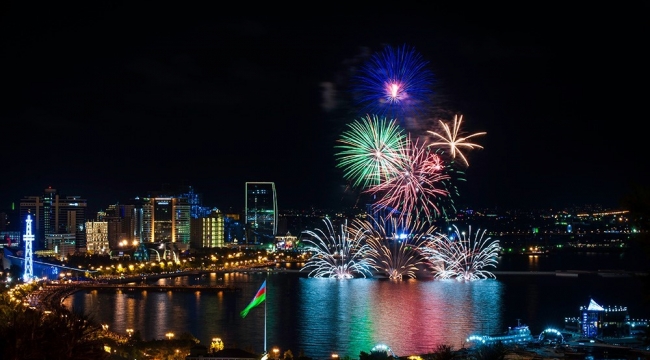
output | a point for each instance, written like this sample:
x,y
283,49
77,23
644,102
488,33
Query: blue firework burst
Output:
x,y
394,83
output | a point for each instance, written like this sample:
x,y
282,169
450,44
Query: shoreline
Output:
x,y
558,273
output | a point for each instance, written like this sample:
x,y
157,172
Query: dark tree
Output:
x,y
495,351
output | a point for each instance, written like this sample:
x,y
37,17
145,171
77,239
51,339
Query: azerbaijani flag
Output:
x,y
259,297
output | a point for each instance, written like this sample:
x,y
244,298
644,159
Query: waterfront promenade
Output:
x,y
144,286
137,283
142,282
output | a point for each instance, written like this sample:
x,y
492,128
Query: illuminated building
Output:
x,y
129,219
165,220
97,237
124,224
261,212
59,245
233,228
598,321
53,214
197,211
286,242
9,231
208,231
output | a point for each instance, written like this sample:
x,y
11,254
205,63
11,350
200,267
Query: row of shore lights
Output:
x,y
169,335
215,341
276,354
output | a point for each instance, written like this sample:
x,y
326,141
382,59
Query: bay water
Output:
x,y
321,317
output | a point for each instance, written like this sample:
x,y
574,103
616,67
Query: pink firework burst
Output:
x,y
413,189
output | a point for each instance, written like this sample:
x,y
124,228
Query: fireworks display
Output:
x,y
462,257
453,139
370,151
451,175
410,179
396,245
340,255
394,83
414,187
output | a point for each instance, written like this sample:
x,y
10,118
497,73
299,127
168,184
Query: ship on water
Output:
x,y
519,334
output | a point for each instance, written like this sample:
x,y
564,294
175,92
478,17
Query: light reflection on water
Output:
x,y
316,316
323,316
412,317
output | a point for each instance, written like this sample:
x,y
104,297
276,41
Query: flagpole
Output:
x,y
266,276
265,325
259,297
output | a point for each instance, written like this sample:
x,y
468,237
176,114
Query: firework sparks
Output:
x,y
453,139
461,257
370,150
413,188
340,256
396,246
394,82
451,175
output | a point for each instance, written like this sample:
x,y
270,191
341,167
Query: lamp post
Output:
x,y
216,345
130,332
276,353
335,356
169,335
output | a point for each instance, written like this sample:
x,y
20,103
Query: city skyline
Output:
x,y
119,102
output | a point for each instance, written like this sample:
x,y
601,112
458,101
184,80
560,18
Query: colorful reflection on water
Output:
x,y
412,317
319,317
316,316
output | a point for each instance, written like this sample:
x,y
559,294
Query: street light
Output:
x,y
129,331
335,356
169,335
276,353
217,344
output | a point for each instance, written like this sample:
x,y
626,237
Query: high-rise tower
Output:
x,y
165,219
261,212
54,214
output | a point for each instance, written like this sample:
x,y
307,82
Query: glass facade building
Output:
x,y
261,212
53,214
166,220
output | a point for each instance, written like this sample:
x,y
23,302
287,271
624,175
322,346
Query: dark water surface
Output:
x,y
324,316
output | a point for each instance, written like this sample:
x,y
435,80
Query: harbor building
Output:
x,y
596,321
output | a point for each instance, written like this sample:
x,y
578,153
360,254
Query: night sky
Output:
x,y
112,100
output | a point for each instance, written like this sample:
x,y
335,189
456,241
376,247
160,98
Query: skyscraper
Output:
x,y
53,214
208,231
165,219
261,212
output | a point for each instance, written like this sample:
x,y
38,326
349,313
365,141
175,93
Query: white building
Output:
x,y
97,237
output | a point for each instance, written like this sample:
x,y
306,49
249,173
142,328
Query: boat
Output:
x,y
519,334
